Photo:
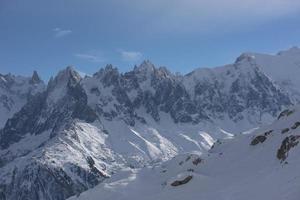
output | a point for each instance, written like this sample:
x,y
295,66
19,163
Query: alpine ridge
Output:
x,y
63,138
15,92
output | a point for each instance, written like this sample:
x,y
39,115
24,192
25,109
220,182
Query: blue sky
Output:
x,y
181,34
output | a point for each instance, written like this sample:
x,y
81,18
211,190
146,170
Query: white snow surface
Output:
x,y
283,68
232,170
155,142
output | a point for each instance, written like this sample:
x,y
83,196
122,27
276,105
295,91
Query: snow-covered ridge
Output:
x,y
14,93
78,131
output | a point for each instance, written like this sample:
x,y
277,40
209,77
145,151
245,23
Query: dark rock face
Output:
x,y
22,123
46,112
285,130
285,113
268,132
182,182
37,181
72,105
250,92
296,125
157,90
197,161
15,92
258,139
80,108
35,79
287,144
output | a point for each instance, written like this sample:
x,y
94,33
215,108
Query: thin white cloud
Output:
x,y
58,32
91,57
130,56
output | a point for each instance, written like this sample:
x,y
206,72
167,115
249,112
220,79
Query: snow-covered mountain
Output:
x,y
260,165
77,131
238,93
63,141
15,92
283,68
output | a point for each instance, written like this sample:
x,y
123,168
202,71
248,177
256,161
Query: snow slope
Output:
x,y
283,68
238,168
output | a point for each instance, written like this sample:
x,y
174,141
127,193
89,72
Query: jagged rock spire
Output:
x,y
35,78
66,76
146,66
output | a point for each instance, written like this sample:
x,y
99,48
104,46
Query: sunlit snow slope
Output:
x,y
261,165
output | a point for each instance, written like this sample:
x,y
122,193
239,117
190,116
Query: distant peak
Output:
x,y
164,69
146,66
291,51
146,62
35,78
66,76
69,72
108,69
68,69
245,57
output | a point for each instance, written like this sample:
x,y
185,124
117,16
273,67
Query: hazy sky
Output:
x,y
48,35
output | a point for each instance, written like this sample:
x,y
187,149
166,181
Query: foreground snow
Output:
x,y
239,168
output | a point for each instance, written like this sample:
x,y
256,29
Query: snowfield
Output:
x,y
234,169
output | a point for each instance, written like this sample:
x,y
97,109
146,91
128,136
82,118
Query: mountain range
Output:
x,y
73,133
